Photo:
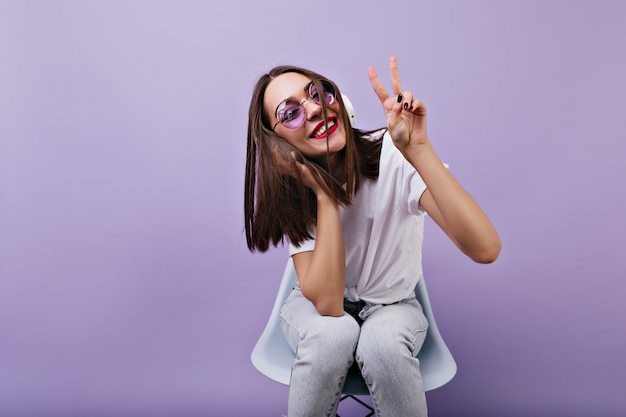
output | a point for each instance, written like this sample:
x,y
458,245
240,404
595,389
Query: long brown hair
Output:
x,y
276,202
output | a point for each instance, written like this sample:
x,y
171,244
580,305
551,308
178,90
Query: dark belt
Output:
x,y
354,308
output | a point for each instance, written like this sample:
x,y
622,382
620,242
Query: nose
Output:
x,y
311,109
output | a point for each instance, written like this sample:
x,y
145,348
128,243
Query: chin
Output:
x,y
337,141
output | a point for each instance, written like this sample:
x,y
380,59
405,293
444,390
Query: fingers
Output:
x,y
406,102
287,163
297,170
308,177
395,76
377,85
409,102
412,104
283,163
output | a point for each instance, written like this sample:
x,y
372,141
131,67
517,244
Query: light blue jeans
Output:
x,y
384,346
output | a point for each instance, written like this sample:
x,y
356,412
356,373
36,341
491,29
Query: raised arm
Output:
x,y
445,200
322,272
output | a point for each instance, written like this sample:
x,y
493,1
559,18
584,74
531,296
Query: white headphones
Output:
x,y
350,108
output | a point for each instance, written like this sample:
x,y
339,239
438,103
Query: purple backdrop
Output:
x,y
126,288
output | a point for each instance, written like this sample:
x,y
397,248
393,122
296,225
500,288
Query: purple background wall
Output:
x,y
126,287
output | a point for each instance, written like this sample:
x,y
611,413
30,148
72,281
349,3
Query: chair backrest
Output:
x,y
273,357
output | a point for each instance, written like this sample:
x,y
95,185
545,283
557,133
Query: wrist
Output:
x,y
419,154
324,200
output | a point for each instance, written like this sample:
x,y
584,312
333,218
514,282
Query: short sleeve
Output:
x,y
305,246
417,186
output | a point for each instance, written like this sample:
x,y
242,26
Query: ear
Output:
x,y
349,108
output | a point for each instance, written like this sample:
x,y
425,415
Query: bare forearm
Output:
x,y
465,221
323,276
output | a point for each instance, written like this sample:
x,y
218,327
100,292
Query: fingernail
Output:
x,y
399,98
406,106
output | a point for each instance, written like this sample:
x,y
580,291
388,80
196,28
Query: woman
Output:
x,y
351,205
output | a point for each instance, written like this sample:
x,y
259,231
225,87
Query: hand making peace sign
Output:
x,y
406,115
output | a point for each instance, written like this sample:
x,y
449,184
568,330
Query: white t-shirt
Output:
x,y
383,230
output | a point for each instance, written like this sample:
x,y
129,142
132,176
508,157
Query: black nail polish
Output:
x,y
399,98
406,106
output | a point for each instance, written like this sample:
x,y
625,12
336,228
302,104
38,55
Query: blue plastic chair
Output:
x,y
273,357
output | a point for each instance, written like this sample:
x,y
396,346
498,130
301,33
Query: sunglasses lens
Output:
x,y
329,93
291,114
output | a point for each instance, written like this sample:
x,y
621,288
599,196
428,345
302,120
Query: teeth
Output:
x,y
322,129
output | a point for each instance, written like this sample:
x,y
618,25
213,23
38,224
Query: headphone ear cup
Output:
x,y
349,108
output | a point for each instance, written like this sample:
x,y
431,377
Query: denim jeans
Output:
x,y
385,346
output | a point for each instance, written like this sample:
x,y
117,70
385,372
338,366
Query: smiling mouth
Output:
x,y
321,132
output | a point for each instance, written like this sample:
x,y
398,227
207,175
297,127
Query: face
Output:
x,y
282,96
